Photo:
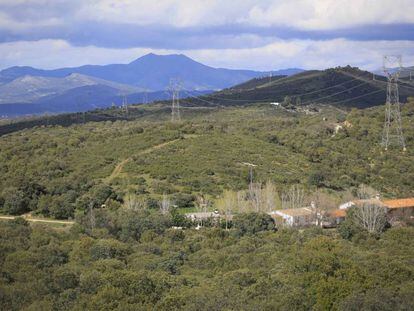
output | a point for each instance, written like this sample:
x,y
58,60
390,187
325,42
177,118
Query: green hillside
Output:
x,y
56,170
342,86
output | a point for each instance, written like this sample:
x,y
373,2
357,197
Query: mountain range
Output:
x,y
27,90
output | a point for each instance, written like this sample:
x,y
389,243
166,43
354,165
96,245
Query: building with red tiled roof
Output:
x,y
400,203
400,209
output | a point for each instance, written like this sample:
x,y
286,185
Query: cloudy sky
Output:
x,y
250,34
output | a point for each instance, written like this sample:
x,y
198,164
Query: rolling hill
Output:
x,y
342,86
30,89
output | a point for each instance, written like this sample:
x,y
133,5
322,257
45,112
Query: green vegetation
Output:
x,y
58,171
132,261
113,176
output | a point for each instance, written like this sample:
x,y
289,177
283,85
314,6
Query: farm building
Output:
x,y
334,217
400,209
397,209
202,215
296,217
373,201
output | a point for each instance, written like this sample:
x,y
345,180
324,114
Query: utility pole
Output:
x,y
392,133
252,193
251,166
174,88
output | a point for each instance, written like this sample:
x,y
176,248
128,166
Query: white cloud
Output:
x,y
50,54
306,54
331,14
301,14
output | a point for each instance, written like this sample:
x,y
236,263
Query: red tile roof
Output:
x,y
338,213
400,203
372,201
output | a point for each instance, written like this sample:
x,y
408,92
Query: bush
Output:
x,y
15,202
184,200
109,249
316,179
252,223
59,208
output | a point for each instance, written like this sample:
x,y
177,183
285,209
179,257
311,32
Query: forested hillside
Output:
x,y
58,171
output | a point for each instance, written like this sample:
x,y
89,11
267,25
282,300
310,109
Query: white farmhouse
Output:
x,y
297,217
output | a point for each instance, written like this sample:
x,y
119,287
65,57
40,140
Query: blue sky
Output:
x,y
250,34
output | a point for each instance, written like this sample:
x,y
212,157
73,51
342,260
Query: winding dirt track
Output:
x,y
65,222
118,168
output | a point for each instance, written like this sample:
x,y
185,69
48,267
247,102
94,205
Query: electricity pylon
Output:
x,y
174,88
392,133
145,97
125,104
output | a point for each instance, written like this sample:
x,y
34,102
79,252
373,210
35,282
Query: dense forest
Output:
x,y
131,260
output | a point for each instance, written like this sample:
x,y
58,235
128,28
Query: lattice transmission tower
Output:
x,y
174,88
392,133
125,104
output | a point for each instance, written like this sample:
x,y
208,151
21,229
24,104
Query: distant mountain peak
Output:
x,y
152,57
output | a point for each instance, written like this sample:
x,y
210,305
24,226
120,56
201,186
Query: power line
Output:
x,y
203,100
295,95
337,93
409,86
356,97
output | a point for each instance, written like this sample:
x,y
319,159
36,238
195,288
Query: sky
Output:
x,y
243,34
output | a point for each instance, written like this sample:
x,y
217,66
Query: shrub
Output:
x,y
252,223
15,202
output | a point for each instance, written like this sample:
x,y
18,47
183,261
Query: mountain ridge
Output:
x,y
152,72
149,73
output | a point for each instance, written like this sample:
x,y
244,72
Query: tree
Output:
x,y
316,179
294,197
255,196
286,101
252,223
370,216
184,200
227,204
165,205
60,208
366,192
133,202
100,193
270,196
15,202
